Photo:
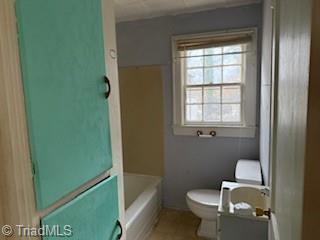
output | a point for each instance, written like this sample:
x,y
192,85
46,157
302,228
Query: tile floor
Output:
x,y
176,225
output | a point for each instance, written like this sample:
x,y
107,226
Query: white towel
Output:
x,y
243,209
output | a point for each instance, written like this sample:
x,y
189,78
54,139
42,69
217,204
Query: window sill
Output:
x,y
221,131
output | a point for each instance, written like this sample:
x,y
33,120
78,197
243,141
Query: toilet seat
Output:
x,y
205,197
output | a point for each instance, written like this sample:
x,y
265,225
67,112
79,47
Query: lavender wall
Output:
x,y
190,162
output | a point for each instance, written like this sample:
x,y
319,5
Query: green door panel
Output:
x,y
62,59
92,215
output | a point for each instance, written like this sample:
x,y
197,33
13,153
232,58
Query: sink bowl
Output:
x,y
249,195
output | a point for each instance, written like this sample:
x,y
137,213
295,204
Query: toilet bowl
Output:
x,y
204,204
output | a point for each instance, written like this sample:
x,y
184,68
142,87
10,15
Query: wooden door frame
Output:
x,y
111,60
17,193
17,198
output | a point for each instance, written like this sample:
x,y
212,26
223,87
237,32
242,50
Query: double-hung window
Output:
x,y
215,83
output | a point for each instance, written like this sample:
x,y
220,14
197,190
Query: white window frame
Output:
x,y
247,127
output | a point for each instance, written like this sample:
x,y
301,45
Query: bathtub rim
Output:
x,y
142,200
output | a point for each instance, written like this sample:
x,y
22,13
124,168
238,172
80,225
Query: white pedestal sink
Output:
x,y
250,195
232,225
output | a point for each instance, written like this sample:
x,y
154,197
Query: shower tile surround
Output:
x,y
190,162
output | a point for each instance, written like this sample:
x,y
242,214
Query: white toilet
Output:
x,y
204,202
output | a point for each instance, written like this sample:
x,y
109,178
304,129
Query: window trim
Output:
x,y
247,127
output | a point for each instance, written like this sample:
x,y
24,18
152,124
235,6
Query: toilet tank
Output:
x,y
248,171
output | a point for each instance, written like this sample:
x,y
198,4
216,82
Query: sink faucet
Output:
x,y
265,191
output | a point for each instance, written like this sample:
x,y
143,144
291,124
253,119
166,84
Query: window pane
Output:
x,y
197,52
194,113
211,95
194,62
194,95
213,60
231,94
213,75
212,112
232,74
232,59
232,48
216,50
195,76
231,113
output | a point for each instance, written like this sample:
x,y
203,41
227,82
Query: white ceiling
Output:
x,y
128,10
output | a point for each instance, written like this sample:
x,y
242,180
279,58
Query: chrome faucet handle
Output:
x,y
265,191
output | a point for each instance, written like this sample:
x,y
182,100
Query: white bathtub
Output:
x,y
143,204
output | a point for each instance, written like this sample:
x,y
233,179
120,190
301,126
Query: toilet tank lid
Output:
x,y
248,171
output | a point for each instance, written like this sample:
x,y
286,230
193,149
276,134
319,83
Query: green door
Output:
x,y
63,68
92,215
